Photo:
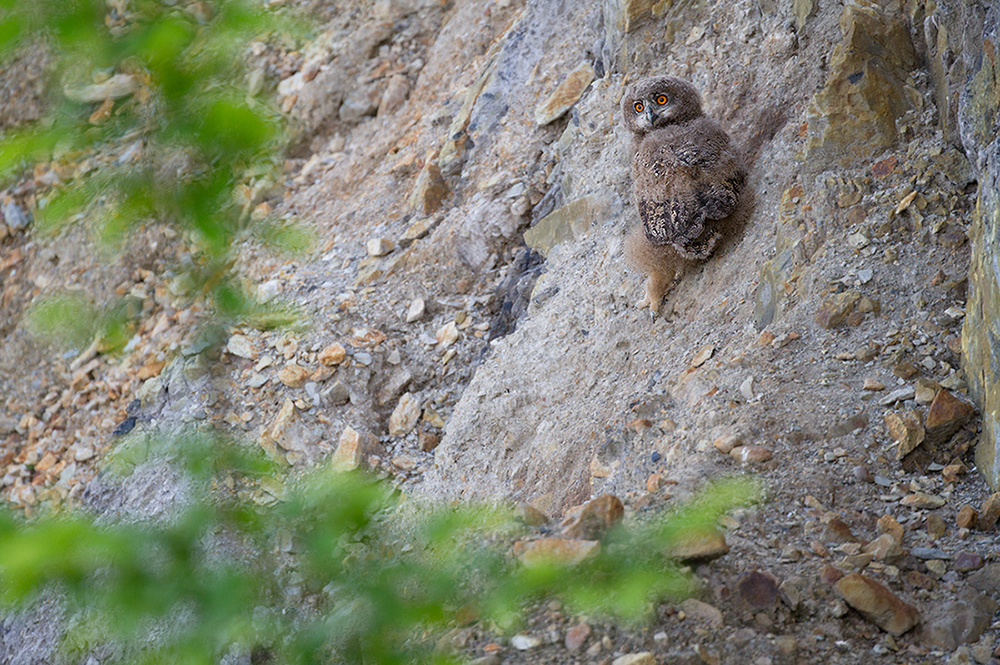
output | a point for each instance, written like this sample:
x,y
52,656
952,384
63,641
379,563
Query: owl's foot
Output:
x,y
656,286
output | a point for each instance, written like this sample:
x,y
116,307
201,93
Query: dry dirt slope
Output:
x,y
418,125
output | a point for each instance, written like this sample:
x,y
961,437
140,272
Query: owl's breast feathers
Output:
x,y
685,178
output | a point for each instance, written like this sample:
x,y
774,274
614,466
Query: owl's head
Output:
x,y
659,101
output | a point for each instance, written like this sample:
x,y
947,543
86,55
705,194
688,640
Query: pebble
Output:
x,y
966,518
416,310
905,429
703,355
404,417
293,376
363,358
257,380
14,217
989,512
559,551
523,642
577,636
240,346
745,454
929,553
946,416
873,384
758,589
922,500
530,515
885,548
349,450
702,611
334,354
447,334
967,561
379,246
898,395
877,603
725,443
594,518
642,658
701,545
835,309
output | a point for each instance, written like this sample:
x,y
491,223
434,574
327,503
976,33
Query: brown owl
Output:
x,y
688,181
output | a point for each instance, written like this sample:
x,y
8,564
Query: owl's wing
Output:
x,y
678,221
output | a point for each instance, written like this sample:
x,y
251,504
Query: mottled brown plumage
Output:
x,y
688,181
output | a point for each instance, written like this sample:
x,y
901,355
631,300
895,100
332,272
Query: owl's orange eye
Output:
x,y
639,107
661,100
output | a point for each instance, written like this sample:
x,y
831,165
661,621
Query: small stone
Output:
x,y
116,87
905,429
523,642
349,451
530,515
83,453
862,474
576,636
966,518
989,512
936,527
642,658
830,574
967,561
416,310
952,472
699,545
565,95
888,524
703,355
925,391
47,462
594,518
405,416
835,530
654,483
873,384
725,443
702,611
256,380
293,376
835,309
877,603
745,454
758,589
922,501
885,548
447,334
959,622
925,553
379,246
240,346
946,416
906,371
430,189
405,462
427,441
555,551
334,354
900,395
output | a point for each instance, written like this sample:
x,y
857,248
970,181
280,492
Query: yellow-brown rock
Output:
x,y
877,603
946,416
854,115
555,551
905,429
565,95
594,518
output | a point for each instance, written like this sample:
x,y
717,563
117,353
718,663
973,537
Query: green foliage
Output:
x,y
339,570
196,150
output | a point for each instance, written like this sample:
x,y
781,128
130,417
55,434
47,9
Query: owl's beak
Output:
x,y
651,116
